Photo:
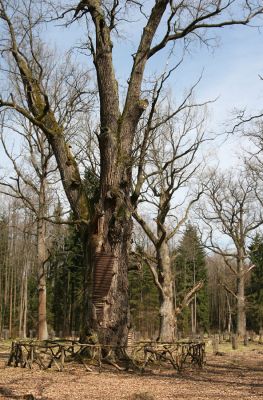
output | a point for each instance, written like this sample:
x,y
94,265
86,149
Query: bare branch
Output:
x,y
189,297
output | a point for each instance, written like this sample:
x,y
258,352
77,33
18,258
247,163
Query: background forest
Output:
x,y
212,308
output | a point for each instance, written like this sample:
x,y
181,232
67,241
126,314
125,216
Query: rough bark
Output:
x,y
240,296
106,319
167,332
23,303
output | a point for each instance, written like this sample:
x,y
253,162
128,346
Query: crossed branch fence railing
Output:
x,y
138,356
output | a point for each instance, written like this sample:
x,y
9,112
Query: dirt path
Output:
x,y
233,376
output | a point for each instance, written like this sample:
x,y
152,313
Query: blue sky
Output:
x,y
230,71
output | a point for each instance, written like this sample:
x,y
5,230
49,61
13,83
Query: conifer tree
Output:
x,y
65,279
144,302
255,289
190,267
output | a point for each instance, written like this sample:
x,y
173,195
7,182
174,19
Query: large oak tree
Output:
x,y
105,221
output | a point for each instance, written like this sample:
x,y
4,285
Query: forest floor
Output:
x,y
233,375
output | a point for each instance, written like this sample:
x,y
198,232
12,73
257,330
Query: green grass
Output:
x,y
226,347
6,343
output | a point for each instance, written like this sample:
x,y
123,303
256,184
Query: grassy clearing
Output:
x,y
226,347
5,345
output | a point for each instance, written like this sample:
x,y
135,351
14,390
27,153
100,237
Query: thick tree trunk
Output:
x,y
241,311
167,332
106,252
240,296
167,319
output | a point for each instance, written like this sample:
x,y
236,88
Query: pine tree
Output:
x,y
190,267
32,304
255,288
66,274
144,302
65,280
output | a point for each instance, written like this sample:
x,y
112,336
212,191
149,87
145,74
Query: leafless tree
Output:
x,y
254,155
221,302
231,214
31,183
250,128
167,175
106,227
17,258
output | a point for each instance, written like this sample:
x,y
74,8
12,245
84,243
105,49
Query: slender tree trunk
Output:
x,y
41,259
24,325
14,298
195,313
9,287
11,303
23,302
193,318
229,314
7,270
21,307
42,312
194,302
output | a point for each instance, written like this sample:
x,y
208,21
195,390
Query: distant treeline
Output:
x,y
212,309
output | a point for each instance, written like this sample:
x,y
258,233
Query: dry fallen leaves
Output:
x,y
231,376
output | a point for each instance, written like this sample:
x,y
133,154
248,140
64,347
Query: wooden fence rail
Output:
x,y
137,356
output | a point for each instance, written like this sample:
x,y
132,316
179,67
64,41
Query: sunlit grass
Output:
x,y
226,347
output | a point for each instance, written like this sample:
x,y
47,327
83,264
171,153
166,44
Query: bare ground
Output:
x,y
232,376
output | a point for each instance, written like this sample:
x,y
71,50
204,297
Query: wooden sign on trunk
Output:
x,y
103,273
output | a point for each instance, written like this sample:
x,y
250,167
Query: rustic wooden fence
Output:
x,y
138,356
